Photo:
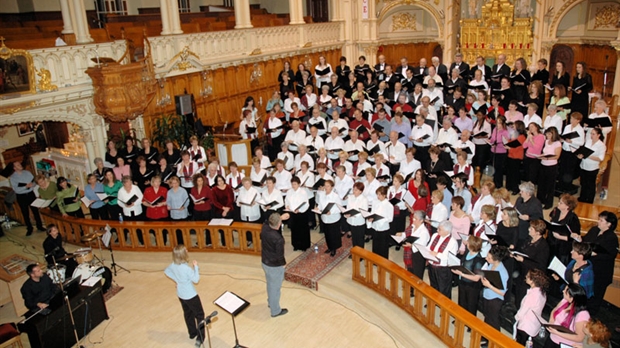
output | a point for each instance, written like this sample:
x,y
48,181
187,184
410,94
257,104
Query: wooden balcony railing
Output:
x,y
129,234
429,307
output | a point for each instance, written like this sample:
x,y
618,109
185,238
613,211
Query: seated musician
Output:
x,y
38,290
52,246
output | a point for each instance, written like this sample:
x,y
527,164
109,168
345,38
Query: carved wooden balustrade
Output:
x,y
429,307
127,235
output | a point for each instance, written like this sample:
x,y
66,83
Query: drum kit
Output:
x,y
89,264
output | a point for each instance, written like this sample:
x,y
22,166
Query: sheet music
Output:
x,y
408,198
558,267
220,222
426,253
90,282
453,260
400,238
229,302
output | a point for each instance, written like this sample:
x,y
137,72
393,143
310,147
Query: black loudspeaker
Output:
x,y
184,104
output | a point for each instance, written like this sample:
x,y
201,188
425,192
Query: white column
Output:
x,y
165,17
242,14
296,12
82,35
335,13
66,17
175,17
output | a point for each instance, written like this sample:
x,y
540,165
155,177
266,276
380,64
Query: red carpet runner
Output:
x,y
308,268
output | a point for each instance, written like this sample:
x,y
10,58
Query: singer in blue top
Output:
x,y
185,277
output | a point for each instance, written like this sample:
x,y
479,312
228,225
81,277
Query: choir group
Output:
x,y
386,155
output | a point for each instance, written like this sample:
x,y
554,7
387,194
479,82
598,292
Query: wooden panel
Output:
x,y
413,51
231,86
597,59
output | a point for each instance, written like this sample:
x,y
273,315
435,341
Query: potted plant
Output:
x,y
173,127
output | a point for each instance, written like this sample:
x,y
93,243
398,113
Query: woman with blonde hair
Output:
x,y
185,277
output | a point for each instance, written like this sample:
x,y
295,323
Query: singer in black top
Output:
x,y
38,290
52,247
582,85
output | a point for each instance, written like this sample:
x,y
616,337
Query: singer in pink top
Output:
x,y
533,147
548,172
531,305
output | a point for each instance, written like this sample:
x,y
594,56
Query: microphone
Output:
x,y
51,252
207,320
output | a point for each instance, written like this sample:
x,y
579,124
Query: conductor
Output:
x,y
38,290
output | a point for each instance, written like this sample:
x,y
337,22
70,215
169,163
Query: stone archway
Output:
x,y
561,12
396,6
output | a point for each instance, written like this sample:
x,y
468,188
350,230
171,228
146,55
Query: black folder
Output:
x,y
513,144
323,71
598,122
585,151
326,210
430,122
494,278
130,200
571,135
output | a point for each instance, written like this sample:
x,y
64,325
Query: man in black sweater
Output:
x,y
272,257
38,290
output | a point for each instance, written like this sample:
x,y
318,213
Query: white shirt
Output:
x,y
435,93
350,146
447,136
324,78
553,121
273,123
486,127
288,158
348,167
385,209
299,159
323,200
283,180
307,181
316,142
576,142
395,153
527,119
287,104
344,187
295,138
599,151
192,168
477,208
358,203
370,145
276,196
310,100
452,247
422,234
243,129
124,196
198,152
340,124
418,132
439,214
370,191
294,199
361,167
383,170
333,144
317,121
234,181
407,168
392,192
265,162
459,144
258,177
606,130
248,213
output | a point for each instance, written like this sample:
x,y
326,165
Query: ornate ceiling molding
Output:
x,y
607,16
80,112
404,21
394,6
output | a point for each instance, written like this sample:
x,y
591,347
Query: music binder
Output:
x,y
323,72
494,278
231,303
325,210
598,122
250,203
156,200
584,151
571,135
130,200
430,122
513,143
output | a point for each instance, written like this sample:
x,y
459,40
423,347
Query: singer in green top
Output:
x,y
68,198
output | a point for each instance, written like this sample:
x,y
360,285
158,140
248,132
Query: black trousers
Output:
x,y
419,265
522,337
546,184
193,314
513,174
568,167
441,279
332,236
491,310
24,200
421,153
100,213
357,235
482,156
499,163
531,169
381,243
469,293
588,186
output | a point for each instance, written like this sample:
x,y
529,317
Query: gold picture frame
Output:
x,y
17,73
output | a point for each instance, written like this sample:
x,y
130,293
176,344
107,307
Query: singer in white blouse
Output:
x,y
283,177
440,246
257,174
297,204
331,218
186,170
301,157
356,223
271,194
286,156
343,184
247,201
131,211
381,228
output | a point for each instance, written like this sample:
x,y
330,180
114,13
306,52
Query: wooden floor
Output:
x,y
147,312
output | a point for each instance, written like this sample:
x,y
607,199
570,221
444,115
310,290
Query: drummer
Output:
x,y
52,246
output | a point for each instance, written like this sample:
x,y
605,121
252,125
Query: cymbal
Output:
x,y
99,234
89,237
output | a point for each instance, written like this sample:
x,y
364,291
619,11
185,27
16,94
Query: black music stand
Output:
x,y
233,304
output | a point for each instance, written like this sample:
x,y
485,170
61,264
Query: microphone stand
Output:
x,y
68,303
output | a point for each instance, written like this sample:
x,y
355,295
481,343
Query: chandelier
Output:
x,y
164,98
122,92
207,80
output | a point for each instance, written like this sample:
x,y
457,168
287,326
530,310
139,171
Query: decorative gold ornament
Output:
x,y
19,72
45,81
404,21
184,64
497,32
607,16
